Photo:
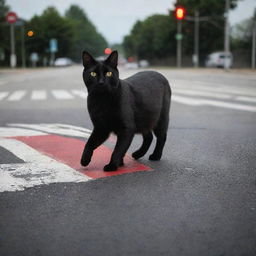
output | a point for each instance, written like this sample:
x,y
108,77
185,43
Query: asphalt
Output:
x,y
200,199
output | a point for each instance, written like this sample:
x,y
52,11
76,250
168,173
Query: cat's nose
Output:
x,y
101,81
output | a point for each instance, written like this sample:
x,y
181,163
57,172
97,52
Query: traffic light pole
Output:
x,y
196,40
13,59
226,36
179,44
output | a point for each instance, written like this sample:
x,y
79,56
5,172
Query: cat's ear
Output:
x,y
88,60
112,59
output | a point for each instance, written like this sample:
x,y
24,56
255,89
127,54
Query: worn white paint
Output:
x,y
202,93
17,95
3,95
80,93
200,102
62,94
37,170
12,132
61,129
38,95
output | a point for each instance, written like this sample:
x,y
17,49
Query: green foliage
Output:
x,y
154,38
4,30
85,35
74,32
151,38
47,26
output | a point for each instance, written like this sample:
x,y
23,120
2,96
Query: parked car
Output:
x,y
217,59
63,62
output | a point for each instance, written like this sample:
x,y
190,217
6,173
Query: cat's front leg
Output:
x,y
97,137
124,140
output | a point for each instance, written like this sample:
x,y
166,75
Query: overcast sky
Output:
x,y
115,18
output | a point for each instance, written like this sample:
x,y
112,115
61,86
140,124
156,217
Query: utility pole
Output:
x,y
179,44
23,55
226,35
253,43
196,39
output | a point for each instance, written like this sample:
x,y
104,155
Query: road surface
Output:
x,y
200,199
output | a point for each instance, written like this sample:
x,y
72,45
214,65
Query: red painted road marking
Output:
x,y
69,151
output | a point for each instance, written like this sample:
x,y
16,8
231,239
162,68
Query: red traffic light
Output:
x,y
107,51
179,13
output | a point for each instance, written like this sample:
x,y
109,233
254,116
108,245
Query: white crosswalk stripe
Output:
x,y
193,96
3,95
80,93
17,95
38,95
62,94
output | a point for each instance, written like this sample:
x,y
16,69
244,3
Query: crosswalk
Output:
x,y
193,96
41,95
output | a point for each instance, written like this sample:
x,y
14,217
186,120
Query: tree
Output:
x,y
47,26
85,35
4,30
151,38
155,36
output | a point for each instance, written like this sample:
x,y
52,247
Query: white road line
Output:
x,y
38,95
247,99
80,93
62,94
17,95
3,95
210,87
39,169
11,132
202,93
60,129
198,102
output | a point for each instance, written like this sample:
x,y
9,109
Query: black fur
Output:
x,y
138,104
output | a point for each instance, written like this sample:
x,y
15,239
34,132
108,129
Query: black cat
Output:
x,y
138,104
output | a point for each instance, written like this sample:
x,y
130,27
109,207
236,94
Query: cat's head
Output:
x,y
100,76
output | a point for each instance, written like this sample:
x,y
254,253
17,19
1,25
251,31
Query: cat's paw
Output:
x,y
110,167
137,154
85,160
154,157
121,163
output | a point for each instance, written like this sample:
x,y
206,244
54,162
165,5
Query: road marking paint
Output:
x,y
11,132
199,102
38,95
202,93
3,95
62,95
40,169
52,158
61,129
211,87
80,93
69,151
248,99
17,95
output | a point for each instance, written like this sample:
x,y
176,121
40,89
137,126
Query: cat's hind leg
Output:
x,y
147,139
161,133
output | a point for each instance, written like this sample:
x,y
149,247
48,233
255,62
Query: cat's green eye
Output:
x,y
109,74
93,74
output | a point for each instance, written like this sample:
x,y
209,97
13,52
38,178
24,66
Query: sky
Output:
x,y
115,18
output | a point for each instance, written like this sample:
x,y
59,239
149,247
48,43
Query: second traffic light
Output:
x,y
180,12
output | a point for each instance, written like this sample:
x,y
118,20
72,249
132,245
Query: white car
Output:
x,y
217,59
63,62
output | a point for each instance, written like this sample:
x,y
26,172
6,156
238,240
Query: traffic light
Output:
x,y
179,12
107,51
30,33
